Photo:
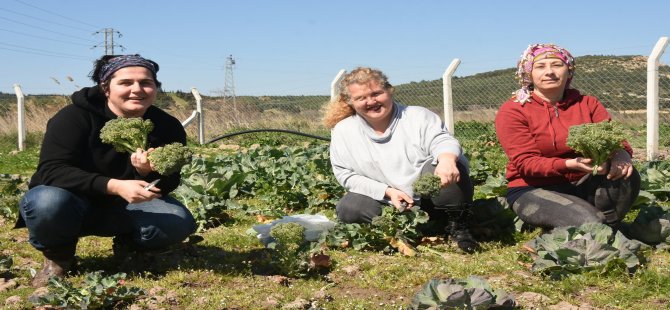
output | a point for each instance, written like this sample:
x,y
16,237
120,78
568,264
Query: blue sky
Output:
x,y
297,47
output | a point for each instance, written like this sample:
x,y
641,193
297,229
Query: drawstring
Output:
x,y
551,126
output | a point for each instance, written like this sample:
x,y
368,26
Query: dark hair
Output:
x,y
102,61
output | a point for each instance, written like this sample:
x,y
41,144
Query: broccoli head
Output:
x,y
126,134
597,141
169,158
427,185
288,233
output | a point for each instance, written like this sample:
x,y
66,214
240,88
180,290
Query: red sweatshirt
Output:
x,y
534,136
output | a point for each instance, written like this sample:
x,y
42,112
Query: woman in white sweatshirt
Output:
x,y
379,148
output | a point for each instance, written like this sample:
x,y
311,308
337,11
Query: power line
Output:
x,y
46,20
43,29
40,54
40,37
56,14
109,40
46,52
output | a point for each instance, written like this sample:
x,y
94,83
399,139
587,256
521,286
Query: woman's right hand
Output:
x,y
133,191
398,197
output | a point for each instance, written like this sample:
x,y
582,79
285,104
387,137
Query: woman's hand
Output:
x,y
447,170
140,161
584,165
398,197
621,166
133,191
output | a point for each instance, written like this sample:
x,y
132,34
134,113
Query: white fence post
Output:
x,y
199,114
446,93
652,97
334,85
21,110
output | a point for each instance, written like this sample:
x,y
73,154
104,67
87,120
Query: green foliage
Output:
x,y
12,187
126,134
170,158
6,263
655,179
290,255
472,292
597,141
382,233
96,292
427,185
208,188
577,249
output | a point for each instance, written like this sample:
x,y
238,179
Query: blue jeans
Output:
x,y
56,218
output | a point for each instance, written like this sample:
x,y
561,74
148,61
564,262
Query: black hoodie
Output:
x,y
74,158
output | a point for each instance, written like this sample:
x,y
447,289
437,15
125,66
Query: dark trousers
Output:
x,y
597,199
357,208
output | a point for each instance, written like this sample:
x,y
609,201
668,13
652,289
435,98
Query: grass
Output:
x,y
229,269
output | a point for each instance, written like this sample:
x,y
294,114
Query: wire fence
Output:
x,y
620,83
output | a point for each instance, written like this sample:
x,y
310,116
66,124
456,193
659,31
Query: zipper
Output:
x,y
556,111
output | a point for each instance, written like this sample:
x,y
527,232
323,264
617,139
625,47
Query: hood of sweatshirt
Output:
x,y
92,99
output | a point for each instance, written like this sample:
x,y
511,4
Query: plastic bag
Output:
x,y
315,225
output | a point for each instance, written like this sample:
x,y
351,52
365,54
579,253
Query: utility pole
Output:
x,y
109,40
229,83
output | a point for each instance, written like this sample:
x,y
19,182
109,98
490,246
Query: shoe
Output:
x,y
130,258
459,233
52,268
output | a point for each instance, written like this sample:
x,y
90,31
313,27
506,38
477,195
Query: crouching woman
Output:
x,y
380,147
85,187
550,185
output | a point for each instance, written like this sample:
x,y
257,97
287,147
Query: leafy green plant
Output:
x,y
126,134
597,141
427,185
96,292
6,263
655,179
12,188
472,292
208,189
577,249
389,232
292,254
170,158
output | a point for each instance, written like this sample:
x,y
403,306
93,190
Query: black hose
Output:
x,y
268,130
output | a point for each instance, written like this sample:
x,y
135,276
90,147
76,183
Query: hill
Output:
x,y
618,81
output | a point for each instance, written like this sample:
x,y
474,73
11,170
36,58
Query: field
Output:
x,y
223,266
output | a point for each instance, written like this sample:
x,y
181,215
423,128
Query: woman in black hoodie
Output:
x,y
83,186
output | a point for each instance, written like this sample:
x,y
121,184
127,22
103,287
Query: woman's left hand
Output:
x,y
140,161
447,170
621,166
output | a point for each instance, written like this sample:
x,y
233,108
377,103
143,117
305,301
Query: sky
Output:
x,y
298,47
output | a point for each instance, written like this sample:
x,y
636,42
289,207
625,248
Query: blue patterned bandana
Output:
x,y
123,61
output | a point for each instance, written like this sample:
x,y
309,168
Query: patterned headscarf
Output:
x,y
123,61
533,53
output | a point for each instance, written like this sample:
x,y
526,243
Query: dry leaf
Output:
x,y
319,261
402,247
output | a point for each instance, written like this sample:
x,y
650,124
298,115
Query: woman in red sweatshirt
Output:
x,y
550,185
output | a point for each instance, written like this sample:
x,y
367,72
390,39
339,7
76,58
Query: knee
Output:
x,y
47,203
356,208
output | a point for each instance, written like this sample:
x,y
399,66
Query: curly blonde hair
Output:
x,y
340,108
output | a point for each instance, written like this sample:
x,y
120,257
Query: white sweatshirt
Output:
x,y
367,164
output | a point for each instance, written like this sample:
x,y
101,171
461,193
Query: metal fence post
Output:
x,y
334,89
446,93
652,97
21,110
